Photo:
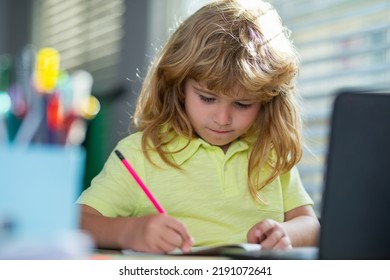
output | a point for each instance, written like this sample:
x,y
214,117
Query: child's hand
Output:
x,y
270,234
156,234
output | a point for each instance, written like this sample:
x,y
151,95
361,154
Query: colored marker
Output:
x,y
5,100
156,204
47,65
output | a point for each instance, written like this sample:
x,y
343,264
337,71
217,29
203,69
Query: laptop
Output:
x,y
355,218
355,215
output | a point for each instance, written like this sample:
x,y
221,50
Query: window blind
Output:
x,y
87,33
342,44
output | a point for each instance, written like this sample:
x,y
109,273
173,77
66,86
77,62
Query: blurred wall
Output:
x,y
117,105
15,25
114,119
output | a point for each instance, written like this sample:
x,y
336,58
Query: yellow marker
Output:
x,y
47,65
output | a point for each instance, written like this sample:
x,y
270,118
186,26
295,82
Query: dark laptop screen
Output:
x,y
356,202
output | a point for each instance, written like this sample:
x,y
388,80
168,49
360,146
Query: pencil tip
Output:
x,y
119,155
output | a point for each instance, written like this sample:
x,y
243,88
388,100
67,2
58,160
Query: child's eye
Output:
x,y
243,105
206,99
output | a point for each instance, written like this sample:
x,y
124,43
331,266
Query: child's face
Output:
x,y
218,119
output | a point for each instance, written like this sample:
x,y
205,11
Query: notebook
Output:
x,y
355,215
208,251
38,187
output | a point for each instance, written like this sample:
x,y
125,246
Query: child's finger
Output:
x,y
266,225
172,238
284,243
252,235
181,230
272,239
258,233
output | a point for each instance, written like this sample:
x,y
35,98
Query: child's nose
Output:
x,y
222,116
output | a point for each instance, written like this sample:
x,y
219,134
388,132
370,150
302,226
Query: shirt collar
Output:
x,y
181,152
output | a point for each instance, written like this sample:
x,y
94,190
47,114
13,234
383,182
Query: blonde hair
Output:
x,y
226,44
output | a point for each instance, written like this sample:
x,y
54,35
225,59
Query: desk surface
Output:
x,y
109,254
303,253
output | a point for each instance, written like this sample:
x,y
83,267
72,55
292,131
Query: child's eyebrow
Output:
x,y
205,91
216,95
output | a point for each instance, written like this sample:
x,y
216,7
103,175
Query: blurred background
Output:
x,y
342,44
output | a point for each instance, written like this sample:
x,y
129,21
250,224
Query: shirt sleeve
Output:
x,y
294,193
113,192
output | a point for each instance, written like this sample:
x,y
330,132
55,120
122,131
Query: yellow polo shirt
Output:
x,y
209,194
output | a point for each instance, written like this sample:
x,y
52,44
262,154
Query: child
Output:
x,y
217,142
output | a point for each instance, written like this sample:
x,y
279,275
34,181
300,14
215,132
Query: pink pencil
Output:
x,y
156,204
